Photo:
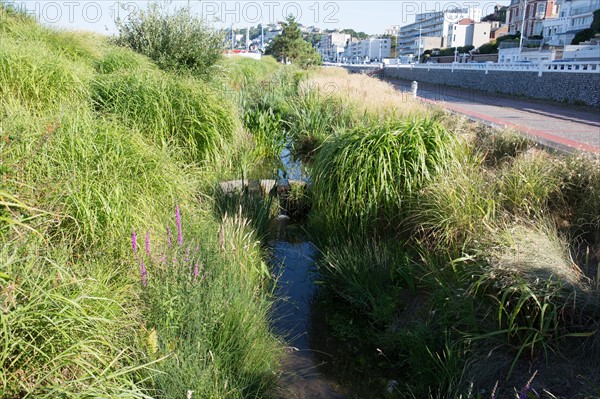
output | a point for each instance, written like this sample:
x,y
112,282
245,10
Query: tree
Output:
x,y
499,14
290,46
353,33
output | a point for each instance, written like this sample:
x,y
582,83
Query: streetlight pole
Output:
x,y
522,28
420,44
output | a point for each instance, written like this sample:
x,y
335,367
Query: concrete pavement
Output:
x,y
564,127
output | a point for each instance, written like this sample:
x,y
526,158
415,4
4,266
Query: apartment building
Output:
x,y
469,33
332,46
571,17
528,16
438,25
372,49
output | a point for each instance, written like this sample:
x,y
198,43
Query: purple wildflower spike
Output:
x,y
494,391
527,387
178,222
144,272
196,271
187,254
168,236
148,242
134,242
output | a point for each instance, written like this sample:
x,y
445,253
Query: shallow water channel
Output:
x,y
293,260
293,316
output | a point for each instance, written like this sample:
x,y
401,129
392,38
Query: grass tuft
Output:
x,y
364,177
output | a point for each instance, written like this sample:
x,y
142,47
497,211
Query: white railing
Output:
x,y
540,68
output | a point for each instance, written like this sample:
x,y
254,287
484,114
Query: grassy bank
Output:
x,y
97,143
466,258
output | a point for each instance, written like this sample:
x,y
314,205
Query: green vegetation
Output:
x,y
353,33
499,14
452,258
177,40
290,46
449,51
98,142
366,174
448,248
492,47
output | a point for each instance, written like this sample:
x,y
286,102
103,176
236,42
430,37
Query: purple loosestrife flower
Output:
x,y
494,391
144,272
527,387
178,222
196,271
168,236
134,243
148,242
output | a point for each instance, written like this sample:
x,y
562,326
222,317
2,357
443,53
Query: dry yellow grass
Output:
x,y
365,93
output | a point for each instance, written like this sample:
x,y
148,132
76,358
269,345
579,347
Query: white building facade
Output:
x,y
434,25
372,49
469,33
572,16
332,46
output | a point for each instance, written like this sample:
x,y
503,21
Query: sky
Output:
x,y
370,16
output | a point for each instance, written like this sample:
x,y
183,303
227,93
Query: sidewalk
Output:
x,y
564,127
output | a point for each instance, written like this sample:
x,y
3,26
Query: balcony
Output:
x,y
585,10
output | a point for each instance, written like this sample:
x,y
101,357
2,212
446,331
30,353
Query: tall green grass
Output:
x,y
455,210
363,178
539,297
368,276
313,118
66,334
97,141
204,309
173,110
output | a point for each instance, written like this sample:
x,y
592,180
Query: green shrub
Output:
x,y
179,40
364,177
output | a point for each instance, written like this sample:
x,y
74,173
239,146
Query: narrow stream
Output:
x,y
293,262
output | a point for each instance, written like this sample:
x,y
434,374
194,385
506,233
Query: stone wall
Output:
x,y
578,88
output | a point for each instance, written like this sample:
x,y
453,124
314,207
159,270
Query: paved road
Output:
x,y
565,127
